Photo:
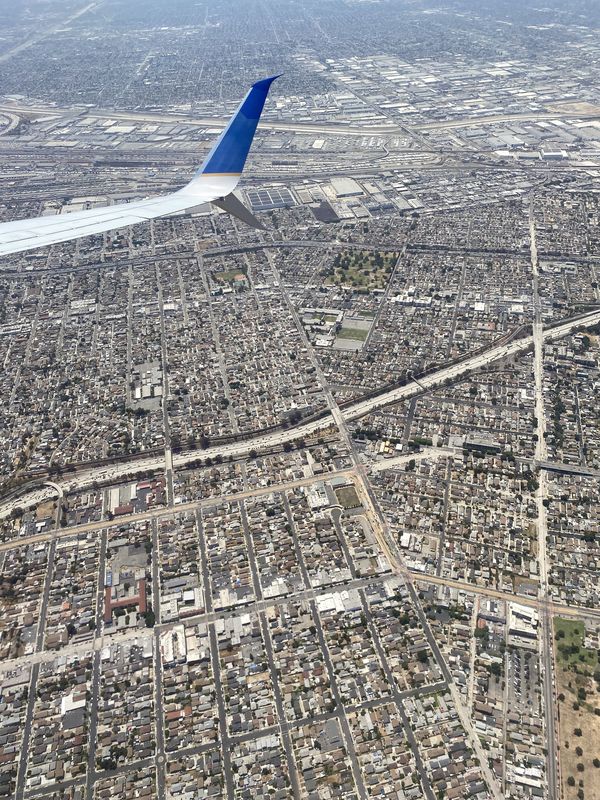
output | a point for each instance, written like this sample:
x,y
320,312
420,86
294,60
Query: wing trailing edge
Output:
x,y
213,182
236,208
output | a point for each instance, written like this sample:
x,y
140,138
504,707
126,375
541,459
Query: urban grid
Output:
x,y
310,511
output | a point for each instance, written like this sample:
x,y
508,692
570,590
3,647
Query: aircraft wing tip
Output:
x,y
266,82
229,152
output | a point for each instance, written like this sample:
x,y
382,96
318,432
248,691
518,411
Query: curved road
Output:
x,y
119,471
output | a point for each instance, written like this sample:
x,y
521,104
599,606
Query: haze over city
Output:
x,y
300,488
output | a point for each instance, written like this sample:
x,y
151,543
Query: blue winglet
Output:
x,y
230,151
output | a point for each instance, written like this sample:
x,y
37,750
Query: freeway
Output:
x,y
208,122
123,470
473,122
567,469
365,129
468,365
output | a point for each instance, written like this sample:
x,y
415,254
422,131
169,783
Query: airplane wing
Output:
x,y
214,182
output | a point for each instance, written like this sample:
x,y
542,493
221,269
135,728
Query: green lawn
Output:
x,y
353,333
228,275
569,636
347,497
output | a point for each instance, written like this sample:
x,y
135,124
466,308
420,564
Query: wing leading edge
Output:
x,y
214,181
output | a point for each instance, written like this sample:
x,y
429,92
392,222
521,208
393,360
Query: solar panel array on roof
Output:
x,y
267,199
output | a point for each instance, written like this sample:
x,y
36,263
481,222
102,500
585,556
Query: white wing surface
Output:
x,y
214,181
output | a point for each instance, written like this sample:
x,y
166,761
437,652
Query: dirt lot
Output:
x,y
589,741
570,680
575,108
45,510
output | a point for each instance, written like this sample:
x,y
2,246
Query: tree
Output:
x,y
295,416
